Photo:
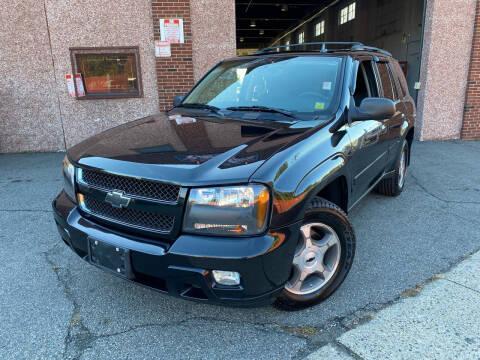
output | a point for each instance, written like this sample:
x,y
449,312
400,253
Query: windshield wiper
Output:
x,y
199,106
262,109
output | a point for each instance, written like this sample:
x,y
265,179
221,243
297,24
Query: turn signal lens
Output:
x,y
262,208
68,171
81,200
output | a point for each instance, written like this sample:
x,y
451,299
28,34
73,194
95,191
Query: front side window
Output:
x,y
304,85
366,85
108,72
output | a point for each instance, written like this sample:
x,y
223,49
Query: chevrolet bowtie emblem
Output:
x,y
117,199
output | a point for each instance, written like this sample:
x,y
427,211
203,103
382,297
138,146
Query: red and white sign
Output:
x,y
171,30
79,83
162,49
70,85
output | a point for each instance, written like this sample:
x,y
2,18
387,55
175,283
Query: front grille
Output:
x,y
130,217
131,186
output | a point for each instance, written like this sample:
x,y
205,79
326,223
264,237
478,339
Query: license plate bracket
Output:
x,y
110,257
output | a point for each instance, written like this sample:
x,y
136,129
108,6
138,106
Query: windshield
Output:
x,y
305,85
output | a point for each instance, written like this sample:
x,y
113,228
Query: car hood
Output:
x,y
187,150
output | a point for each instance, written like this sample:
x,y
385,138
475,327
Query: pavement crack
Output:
x,y
428,192
462,285
78,337
347,350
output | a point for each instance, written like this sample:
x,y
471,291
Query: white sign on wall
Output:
x,y
70,85
162,49
171,30
79,83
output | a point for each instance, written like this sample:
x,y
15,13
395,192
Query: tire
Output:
x,y
327,224
394,185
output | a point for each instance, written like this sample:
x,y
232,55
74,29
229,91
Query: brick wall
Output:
x,y
174,74
471,120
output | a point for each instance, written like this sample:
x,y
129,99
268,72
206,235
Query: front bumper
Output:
x,y
183,268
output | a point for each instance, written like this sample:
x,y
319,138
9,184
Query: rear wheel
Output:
x,y
393,186
323,256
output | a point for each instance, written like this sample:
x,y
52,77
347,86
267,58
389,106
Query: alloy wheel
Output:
x,y
317,257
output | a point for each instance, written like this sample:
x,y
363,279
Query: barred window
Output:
x,y
108,72
347,13
301,38
320,28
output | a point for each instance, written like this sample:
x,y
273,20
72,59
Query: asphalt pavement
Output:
x,y
54,305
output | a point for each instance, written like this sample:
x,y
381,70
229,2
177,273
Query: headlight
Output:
x,y
229,210
69,178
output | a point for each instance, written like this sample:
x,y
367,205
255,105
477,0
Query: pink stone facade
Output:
x,y
30,117
36,113
445,62
213,28
99,26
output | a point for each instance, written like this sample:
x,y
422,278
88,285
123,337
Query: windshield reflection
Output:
x,y
303,85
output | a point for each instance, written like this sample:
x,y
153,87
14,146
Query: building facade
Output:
x,y
114,42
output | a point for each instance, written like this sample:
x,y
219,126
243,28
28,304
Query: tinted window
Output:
x,y
366,84
307,84
397,70
388,91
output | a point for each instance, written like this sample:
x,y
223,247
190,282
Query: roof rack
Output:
x,y
351,46
370,48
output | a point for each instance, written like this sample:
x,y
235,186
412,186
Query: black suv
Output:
x,y
239,194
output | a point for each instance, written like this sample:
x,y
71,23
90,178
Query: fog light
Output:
x,y
226,277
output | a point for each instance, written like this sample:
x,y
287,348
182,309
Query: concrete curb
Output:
x,y
442,321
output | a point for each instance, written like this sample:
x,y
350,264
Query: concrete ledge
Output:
x,y
442,322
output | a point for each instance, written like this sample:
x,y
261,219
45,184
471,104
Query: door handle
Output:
x,y
371,136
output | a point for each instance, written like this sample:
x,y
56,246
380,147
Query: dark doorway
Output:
x,y
394,25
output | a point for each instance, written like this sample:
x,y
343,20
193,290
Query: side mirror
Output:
x,y
177,100
374,109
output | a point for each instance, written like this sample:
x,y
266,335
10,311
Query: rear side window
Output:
x,y
386,81
398,73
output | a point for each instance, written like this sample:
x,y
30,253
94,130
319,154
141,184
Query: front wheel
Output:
x,y
323,256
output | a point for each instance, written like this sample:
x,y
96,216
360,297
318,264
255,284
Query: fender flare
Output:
x,y
319,177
